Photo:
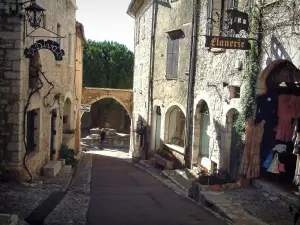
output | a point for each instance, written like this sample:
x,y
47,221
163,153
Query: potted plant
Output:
x,y
164,159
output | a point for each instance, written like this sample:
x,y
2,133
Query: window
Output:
x,y
32,132
176,127
217,16
234,92
172,57
143,27
70,49
137,31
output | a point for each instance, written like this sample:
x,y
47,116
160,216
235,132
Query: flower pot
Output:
x,y
167,164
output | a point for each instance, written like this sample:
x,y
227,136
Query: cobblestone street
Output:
x,y
123,194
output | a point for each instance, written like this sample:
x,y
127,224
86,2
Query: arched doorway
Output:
x,y
279,91
201,136
204,137
156,128
233,155
110,114
175,126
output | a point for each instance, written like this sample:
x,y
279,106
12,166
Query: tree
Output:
x,y
107,65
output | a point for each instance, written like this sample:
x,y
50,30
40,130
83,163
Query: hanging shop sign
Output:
x,y
234,31
50,45
227,42
85,108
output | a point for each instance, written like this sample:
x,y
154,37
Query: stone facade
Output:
x,y
213,67
61,103
142,12
220,75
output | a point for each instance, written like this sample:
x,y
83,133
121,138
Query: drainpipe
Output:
x,y
191,85
151,71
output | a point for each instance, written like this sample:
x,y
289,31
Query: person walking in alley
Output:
x,y
102,138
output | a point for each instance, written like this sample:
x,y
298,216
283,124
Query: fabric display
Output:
x,y
280,148
268,160
274,167
288,109
297,171
266,109
250,166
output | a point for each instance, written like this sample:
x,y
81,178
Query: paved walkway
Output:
x,y
123,194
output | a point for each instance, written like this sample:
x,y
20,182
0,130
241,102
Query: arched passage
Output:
x,y
110,114
201,136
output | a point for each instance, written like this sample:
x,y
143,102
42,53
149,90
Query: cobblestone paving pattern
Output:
x,y
262,205
73,207
20,200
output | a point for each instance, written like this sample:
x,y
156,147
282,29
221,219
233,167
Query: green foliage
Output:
x,y
69,155
249,94
107,65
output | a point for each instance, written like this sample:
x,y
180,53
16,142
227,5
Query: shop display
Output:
x,y
250,166
274,167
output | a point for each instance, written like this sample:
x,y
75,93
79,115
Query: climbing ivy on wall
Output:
x,y
249,94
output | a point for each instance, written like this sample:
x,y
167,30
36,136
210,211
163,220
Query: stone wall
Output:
x,y
170,92
141,69
215,67
61,74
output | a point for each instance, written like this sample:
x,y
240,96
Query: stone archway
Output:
x,y
123,96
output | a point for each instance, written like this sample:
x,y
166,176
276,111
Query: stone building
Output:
x,y
218,82
40,84
219,73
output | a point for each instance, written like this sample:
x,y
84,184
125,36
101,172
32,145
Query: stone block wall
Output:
x,y
61,74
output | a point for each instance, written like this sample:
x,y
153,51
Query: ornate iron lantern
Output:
x,y
34,14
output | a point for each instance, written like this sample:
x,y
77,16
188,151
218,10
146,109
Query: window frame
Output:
x,y
171,69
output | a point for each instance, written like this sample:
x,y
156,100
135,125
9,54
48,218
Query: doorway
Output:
x,y
157,128
204,137
234,153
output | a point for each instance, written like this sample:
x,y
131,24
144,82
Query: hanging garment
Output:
x,y
266,109
296,138
280,148
297,171
250,166
274,167
286,112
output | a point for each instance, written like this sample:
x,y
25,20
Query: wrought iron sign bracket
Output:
x,y
233,32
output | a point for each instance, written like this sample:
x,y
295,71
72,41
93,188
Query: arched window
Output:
x,y
176,126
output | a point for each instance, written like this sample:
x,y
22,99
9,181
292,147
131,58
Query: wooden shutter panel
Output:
x,y
169,57
175,58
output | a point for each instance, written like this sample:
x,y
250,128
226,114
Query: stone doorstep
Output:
x,y
273,190
8,219
227,208
52,168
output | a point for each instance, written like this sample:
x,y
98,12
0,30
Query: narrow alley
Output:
x,y
123,194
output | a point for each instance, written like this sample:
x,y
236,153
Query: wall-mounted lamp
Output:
x,y
33,13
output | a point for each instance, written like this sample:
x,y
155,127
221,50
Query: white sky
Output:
x,y
106,20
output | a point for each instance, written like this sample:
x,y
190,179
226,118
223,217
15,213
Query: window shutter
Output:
x,y
175,58
169,57
209,17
